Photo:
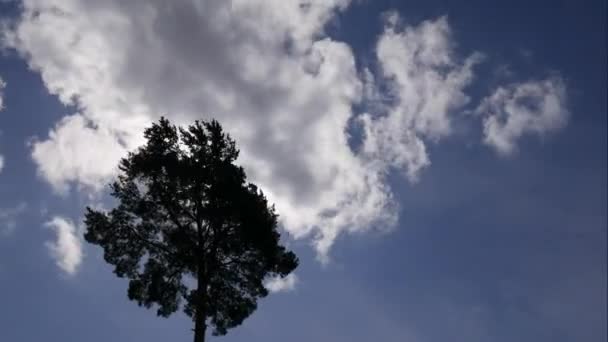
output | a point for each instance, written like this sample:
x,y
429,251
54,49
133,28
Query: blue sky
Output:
x,y
439,167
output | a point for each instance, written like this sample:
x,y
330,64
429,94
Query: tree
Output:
x,y
188,230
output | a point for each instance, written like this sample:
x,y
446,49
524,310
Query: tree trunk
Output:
x,y
199,327
200,318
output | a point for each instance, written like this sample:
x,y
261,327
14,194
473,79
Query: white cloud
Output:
x,y
126,63
263,68
67,247
93,148
533,107
278,284
8,218
426,86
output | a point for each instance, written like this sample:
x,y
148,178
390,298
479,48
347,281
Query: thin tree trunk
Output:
x,y
200,319
200,324
199,327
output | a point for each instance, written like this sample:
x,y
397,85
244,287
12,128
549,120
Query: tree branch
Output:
x,y
152,244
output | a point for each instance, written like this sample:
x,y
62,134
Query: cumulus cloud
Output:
x,y
77,149
529,108
426,83
263,68
8,218
66,249
269,73
278,284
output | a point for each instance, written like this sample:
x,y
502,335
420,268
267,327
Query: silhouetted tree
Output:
x,y
189,228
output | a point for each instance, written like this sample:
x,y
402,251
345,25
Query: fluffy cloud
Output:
x,y
8,218
67,247
263,68
425,83
278,284
267,71
533,107
78,150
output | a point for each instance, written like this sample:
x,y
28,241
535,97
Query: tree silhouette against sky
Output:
x,y
188,230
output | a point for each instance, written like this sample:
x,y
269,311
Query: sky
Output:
x,y
439,167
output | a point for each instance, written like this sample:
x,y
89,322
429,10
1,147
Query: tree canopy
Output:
x,y
188,230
